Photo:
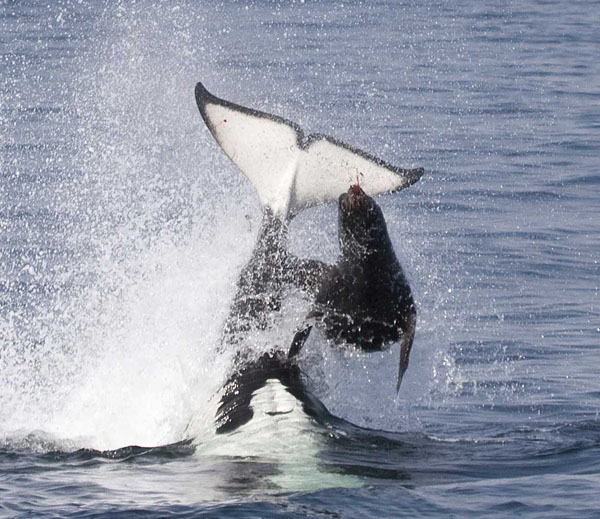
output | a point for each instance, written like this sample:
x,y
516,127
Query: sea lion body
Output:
x,y
365,299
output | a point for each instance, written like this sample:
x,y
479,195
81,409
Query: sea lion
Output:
x,y
364,299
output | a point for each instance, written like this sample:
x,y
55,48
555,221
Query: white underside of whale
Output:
x,y
289,170
282,434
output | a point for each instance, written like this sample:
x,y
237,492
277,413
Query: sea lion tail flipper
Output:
x,y
299,339
292,171
405,347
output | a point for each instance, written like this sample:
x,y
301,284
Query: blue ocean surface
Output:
x,y
123,228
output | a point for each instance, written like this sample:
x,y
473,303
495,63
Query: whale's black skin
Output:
x,y
262,281
235,408
260,289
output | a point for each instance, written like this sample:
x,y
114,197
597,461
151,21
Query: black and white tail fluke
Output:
x,y
292,171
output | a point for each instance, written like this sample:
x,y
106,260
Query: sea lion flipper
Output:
x,y
405,347
299,339
306,274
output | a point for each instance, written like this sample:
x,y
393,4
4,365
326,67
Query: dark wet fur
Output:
x,y
366,300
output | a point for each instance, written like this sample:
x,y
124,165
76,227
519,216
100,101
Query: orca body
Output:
x,y
236,406
263,279
363,300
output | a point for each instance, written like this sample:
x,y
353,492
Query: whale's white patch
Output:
x,y
282,434
289,170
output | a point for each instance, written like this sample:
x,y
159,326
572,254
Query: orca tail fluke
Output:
x,y
290,170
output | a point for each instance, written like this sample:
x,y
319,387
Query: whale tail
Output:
x,y
290,170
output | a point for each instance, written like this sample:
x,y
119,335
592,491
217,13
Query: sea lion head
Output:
x,y
361,225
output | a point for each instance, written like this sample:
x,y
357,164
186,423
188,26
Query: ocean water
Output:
x,y
123,228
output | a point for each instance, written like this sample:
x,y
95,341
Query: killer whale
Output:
x,y
292,171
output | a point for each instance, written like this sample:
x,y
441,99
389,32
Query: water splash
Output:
x,y
153,224
121,348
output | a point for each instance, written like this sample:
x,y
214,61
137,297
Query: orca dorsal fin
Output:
x,y
289,170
